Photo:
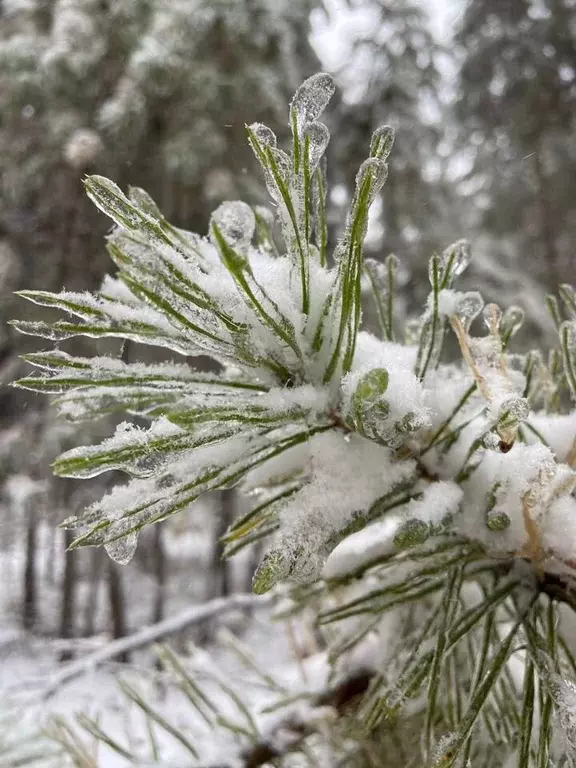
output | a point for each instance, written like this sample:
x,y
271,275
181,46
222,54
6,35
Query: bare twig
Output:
x,y
340,698
152,634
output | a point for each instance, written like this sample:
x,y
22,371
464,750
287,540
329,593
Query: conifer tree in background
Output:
x,y
153,92
423,509
517,99
392,74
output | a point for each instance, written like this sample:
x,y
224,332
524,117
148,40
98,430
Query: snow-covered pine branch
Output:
x,y
397,489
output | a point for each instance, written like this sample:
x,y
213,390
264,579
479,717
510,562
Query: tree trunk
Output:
x,y
91,605
117,605
53,555
219,581
546,223
30,593
67,605
160,574
221,576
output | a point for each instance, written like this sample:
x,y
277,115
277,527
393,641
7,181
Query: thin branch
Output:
x,y
340,697
149,635
559,589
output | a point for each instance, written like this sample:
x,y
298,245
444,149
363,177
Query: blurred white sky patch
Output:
x,y
332,36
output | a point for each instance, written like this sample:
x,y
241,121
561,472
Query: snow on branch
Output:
x,y
188,618
434,493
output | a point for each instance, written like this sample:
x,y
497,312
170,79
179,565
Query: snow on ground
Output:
x,y
29,661
26,665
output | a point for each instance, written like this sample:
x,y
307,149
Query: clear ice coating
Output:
x,y
460,254
311,99
144,201
515,409
492,315
378,170
265,135
491,441
318,137
265,214
568,332
497,520
511,320
382,142
236,221
122,550
469,307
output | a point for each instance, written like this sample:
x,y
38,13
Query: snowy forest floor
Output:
x,y
30,662
27,665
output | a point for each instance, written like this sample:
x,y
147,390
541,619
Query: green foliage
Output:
x,y
397,489
515,109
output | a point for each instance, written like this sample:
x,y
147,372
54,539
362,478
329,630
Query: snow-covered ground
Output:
x,y
29,663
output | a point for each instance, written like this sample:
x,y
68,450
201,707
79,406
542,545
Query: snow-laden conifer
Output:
x,y
394,488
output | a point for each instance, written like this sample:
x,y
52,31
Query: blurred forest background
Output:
x,y
156,93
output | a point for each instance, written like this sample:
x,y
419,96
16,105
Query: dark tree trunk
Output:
x,y
547,234
222,585
67,605
117,605
160,574
91,606
30,586
219,578
53,554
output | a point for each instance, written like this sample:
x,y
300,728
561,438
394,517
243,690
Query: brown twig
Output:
x,y
340,698
462,337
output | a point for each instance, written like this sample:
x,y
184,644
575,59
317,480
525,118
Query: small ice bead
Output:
x,y
382,142
469,307
492,315
265,136
514,409
377,171
491,441
122,550
497,520
372,386
236,222
317,137
511,321
311,98
459,253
